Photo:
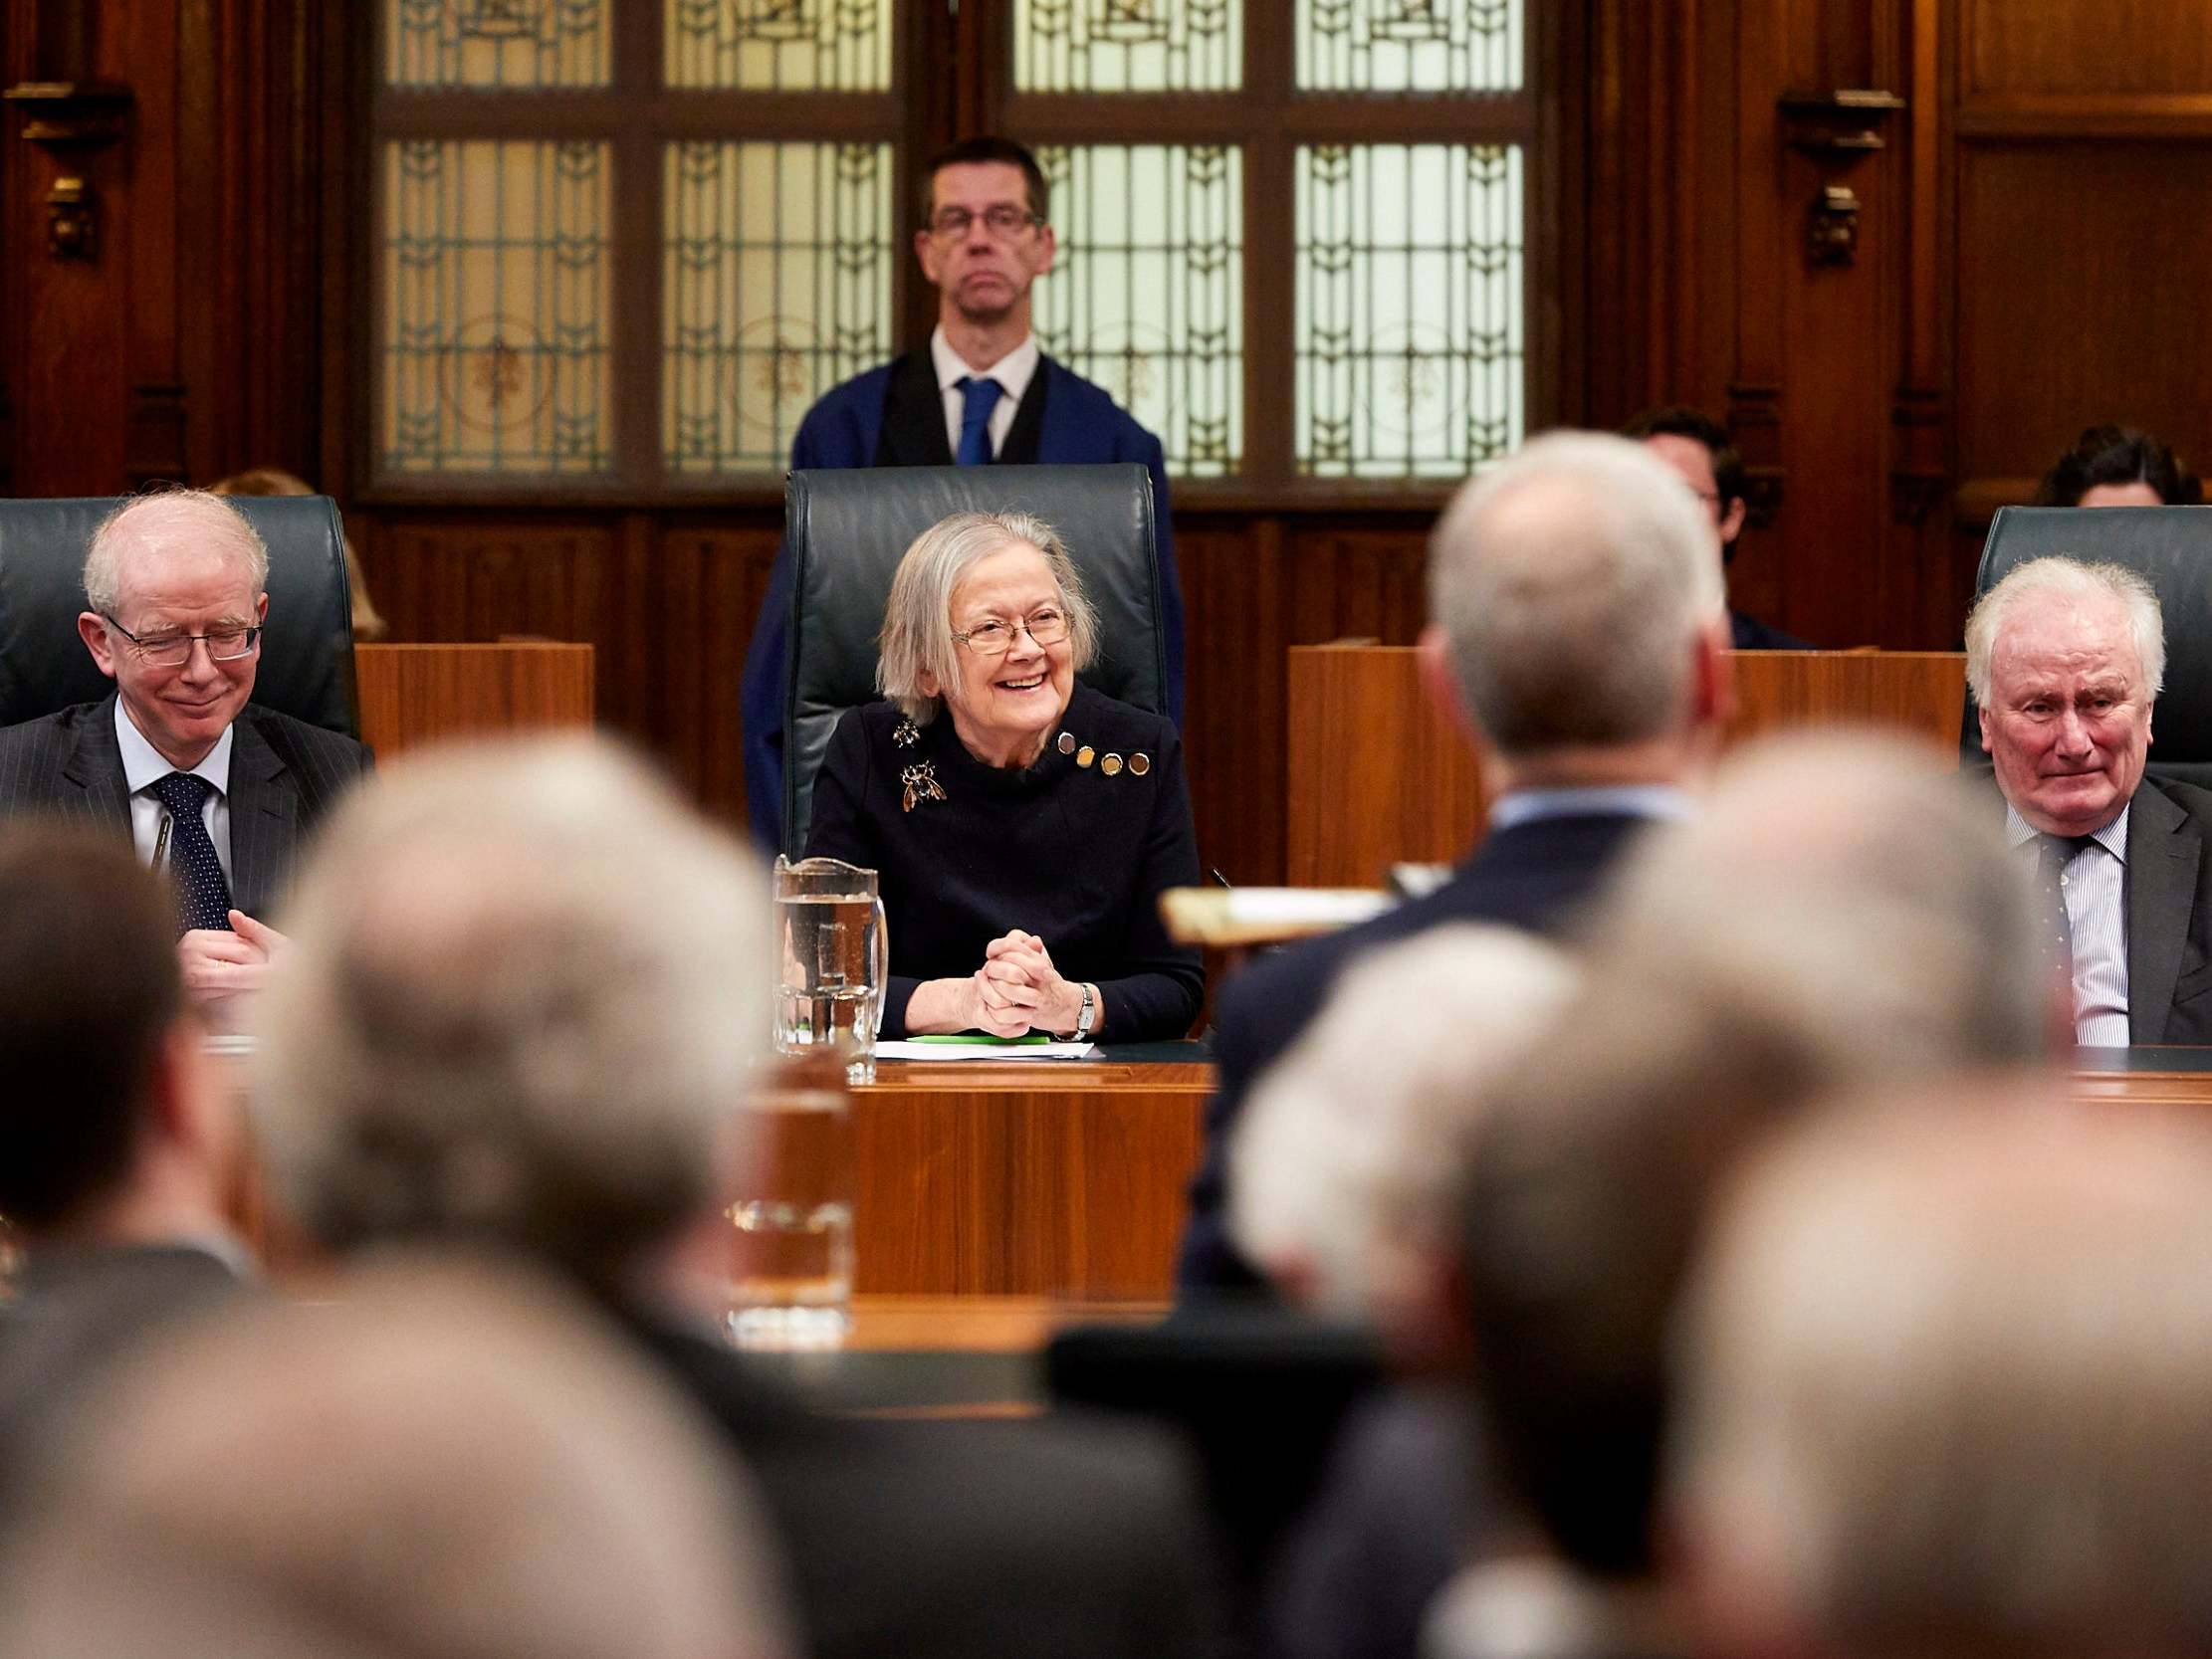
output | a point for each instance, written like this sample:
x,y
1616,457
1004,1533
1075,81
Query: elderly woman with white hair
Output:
x,y
1024,824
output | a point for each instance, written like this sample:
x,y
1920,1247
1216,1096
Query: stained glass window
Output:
x,y
489,44
1411,46
1411,343
1128,46
804,45
496,307
1147,297
777,284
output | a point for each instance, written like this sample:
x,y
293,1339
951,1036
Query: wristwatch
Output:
x,y
1086,1019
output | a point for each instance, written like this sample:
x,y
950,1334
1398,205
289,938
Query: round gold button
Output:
x,y
1084,755
1111,765
1139,764
1067,743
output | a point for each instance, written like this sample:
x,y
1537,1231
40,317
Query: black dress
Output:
x,y
1075,854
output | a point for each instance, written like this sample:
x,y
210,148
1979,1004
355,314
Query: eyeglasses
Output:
x,y
996,639
224,645
1005,221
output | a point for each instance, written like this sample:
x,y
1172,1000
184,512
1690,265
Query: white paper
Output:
x,y
986,1051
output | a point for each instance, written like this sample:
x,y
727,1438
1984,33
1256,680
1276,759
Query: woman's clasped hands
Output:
x,y
1017,989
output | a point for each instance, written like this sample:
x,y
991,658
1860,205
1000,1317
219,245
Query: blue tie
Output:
x,y
203,897
979,396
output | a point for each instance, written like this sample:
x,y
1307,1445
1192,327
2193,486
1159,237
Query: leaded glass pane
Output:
x,y
1128,46
495,307
796,46
1411,345
779,267
1411,46
516,44
1146,297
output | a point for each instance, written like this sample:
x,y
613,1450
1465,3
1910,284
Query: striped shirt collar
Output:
x,y
2113,837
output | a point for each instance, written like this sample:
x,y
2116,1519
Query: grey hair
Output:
x,y
1948,1382
2070,580
1570,581
162,520
1858,894
1348,1160
523,997
917,641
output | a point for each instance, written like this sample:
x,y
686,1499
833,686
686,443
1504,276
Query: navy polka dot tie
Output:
x,y
204,894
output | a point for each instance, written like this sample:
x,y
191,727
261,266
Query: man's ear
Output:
x,y
1731,522
91,628
1713,677
1982,715
1048,248
925,250
1433,658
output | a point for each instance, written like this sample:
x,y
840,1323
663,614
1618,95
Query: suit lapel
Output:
x,y
913,416
1025,439
92,766
2164,849
264,808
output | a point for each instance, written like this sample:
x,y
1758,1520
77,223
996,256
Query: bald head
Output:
x,y
1572,583
172,522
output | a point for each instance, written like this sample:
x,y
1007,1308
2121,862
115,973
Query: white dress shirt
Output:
x,y
1013,372
143,766
2095,888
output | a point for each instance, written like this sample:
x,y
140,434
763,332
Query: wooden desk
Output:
x,y
996,1177
1379,777
413,695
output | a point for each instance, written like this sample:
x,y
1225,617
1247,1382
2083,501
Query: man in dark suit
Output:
x,y
1579,634
523,1010
119,1147
2066,661
220,791
979,394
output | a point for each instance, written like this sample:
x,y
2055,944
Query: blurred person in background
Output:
x,y
1700,451
122,1149
2118,466
1839,916
427,1462
524,1012
368,623
1947,1388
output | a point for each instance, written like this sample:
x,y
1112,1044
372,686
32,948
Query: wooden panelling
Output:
x,y
1042,1180
1355,811
2125,48
2076,246
413,695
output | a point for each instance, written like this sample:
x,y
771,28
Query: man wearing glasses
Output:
x,y
211,788
980,393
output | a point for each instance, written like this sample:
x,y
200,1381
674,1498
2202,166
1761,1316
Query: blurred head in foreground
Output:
x,y
1347,1162
1950,1388
435,1464
112,1126
527,988
1839,917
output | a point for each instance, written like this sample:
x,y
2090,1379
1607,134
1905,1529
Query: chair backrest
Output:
x,y
847,529
306,653
2169,545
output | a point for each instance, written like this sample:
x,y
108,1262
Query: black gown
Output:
x,y
1075,854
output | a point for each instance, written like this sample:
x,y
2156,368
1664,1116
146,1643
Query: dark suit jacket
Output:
x,y
78,1311
2170,913
950,1540
894,416
1531,875
284,775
